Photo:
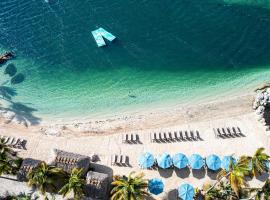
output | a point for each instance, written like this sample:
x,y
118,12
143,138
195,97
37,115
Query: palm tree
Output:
x,y
258,162
237,173
5,166
5,149
132,187
9,164
223,191
45,177
75,183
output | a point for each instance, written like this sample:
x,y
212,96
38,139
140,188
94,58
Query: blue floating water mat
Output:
x,y
106,34
101,33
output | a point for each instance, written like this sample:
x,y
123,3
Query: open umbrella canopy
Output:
x,y
213,162
196,161
146,160
186,192
155,186
164,161
180,160
225,164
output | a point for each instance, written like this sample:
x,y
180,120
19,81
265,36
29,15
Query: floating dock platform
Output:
x,y
99,36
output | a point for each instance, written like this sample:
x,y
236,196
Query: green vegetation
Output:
x,y
45,177
9,162
232,185
133,187
258,162
74,184
21,196
237,173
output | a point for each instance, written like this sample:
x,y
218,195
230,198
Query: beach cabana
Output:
x,y
27,165
196,161
213,162
226,161
186,192
97,185
164,161
155,186
146,160
180,160
68,161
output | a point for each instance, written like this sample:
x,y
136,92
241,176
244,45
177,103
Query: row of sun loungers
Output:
x,y
228,132
176,136
120,160
14,142
131,138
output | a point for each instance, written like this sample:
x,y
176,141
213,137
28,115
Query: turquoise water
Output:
x,y
166,52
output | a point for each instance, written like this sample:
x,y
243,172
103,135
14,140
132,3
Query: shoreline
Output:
x,y
161,117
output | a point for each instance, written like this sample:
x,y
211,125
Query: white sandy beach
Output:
x,y
104,137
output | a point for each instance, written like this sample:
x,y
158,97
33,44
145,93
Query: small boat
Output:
x,y
101,33
6,56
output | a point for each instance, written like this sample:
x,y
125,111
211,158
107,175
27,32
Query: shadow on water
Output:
x,y
7,93
23,113
170,35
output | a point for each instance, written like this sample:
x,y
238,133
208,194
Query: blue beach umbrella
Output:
x,y
164,161
225,163
186,192
196,161
146,160
155,186
213,162
180,160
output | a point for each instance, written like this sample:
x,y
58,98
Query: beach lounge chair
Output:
x,y
170,137
125,138
239,131
229,132
182,138
22,143
6,140
219,133
176,136
198,137
137,138
187,136
12,141
224,132
159,136
118,160
192,136
131,138
114,159
126,160
16,142
163,137
154,137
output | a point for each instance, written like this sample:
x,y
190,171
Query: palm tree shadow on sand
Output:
x,y
24,114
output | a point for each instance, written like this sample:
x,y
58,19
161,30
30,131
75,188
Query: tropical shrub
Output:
x,y
133,187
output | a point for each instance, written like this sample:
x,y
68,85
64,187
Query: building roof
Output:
x,y
68,161
97,185
26,166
